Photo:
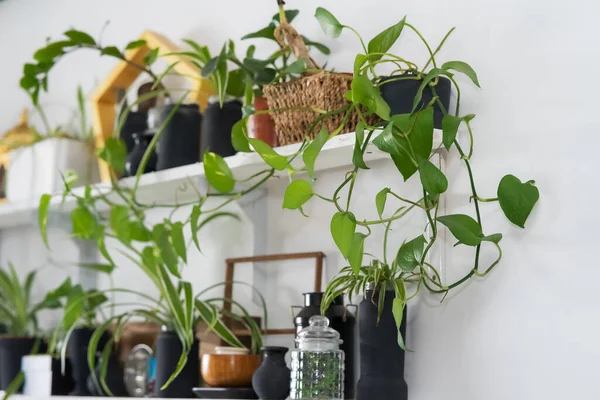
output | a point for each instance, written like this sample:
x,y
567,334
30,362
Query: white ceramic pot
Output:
x,y
38,376
36,170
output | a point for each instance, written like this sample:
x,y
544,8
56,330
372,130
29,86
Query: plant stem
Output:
x,y
431,54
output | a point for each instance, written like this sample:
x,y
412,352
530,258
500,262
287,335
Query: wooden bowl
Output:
x,y
229,370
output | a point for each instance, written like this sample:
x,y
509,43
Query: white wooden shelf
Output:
x,y
175,186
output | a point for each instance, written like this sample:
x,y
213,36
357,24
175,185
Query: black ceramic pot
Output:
x,y
216,127
381,360
77,349
179,143
135,123
400,95
62,385
11,352
114,378
271,381
134,159
168,352
339,319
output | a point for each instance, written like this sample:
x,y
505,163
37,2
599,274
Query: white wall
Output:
x,y
530,330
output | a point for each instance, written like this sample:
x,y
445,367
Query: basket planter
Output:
x,y
37,169
295,99
400,96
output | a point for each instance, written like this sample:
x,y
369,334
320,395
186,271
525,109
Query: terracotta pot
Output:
x,y
262,126
229,370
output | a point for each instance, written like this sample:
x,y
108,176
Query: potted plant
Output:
x,y
38,164
185,122
277,68
19,315
160,251
389,281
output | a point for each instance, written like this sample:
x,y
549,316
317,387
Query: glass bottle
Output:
x,y
317,363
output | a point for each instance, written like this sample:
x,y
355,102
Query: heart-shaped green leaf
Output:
x,y
410,254
218,173
239,136
462,67
450,125
380,200
357,249
296,194
310,154
330,24
265,33
269,155
365,93
464,228
385,40
178,240
343,226
398,312
359,138
80,37
433,180
517,199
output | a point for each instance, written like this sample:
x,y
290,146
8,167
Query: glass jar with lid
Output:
x,y
317,363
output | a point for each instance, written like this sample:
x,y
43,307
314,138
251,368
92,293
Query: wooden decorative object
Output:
x,y
104,100
230,269
229,370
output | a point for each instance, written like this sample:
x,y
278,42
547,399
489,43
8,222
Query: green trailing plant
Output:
x,y
159,250
408,141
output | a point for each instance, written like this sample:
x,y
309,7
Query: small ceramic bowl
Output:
x,y
229,370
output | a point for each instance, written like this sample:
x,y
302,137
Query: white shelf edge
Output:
x,y
172,185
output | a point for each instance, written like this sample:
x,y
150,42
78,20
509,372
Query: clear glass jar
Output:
x,y
317,363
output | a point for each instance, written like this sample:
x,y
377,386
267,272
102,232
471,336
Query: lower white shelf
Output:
x,y
174,185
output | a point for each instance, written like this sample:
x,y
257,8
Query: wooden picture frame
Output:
x,y
230,271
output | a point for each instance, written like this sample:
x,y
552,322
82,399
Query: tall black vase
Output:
x,y
114,378
77,350
216,127
381,359
271,381
400,96
11,352
134,159
168,352
179,143
135,123
339,319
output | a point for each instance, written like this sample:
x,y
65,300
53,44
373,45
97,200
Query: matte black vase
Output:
x,y
271,381
11,352
77,349
135,123
216,127
179,143
62,385
114,378
381,359
168,352
134,159
339,319
400,96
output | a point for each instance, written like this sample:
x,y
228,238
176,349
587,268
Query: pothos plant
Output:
x,y
159,250
408,141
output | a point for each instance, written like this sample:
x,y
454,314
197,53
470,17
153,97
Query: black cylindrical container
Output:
x,y
62,385
400,95
134,159
135,123
168,352
77,350
271,381
381,359
216,127
179,143
114,378
342,321
11,351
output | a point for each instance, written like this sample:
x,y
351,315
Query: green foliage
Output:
x,y
385,40
218,173
464,228
410,254
310,154
517,199
114,153
329,23
343,226
297,194
269,155
433,180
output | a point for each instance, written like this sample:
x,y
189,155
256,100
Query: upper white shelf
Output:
x,y
176,185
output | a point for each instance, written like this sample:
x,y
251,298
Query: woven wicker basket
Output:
x,y
323,91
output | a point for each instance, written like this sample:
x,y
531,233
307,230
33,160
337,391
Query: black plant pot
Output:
x,y
271,381
179,143
168,352
11,352
216,127
400,95
339,319
77,351
62,385
114,378
134,159
381,360
135,123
